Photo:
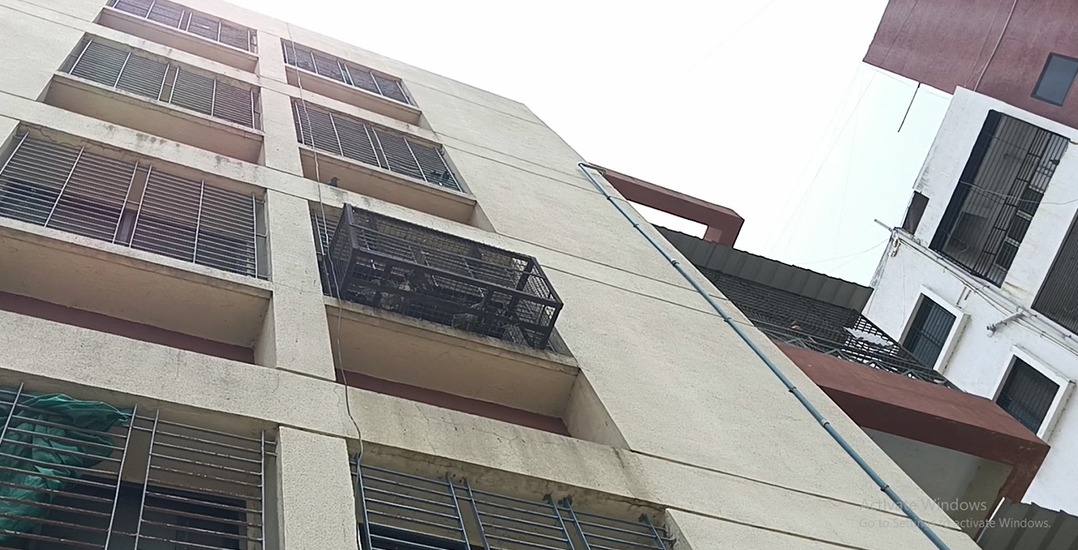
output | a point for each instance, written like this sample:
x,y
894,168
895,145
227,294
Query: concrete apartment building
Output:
x,y
979,280
263,289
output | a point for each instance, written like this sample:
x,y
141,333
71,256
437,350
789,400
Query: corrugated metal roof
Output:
x,y
775,274
1018,526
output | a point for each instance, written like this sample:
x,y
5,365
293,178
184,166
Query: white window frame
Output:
x,y
1066,385
960,320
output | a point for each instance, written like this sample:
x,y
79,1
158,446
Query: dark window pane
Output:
x,y
1056,79
1027,395
931,326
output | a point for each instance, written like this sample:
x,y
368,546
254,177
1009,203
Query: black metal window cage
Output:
x,y
820,326
167,82
348,137
1058,296
997,195
183,18
84,474
400,511
343,71
929,331
1027,395
397,266
132,203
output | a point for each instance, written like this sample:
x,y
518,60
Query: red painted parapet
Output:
x,y
723,224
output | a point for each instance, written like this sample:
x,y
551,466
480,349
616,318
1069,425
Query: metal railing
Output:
x,y
167,82
82,474
132,203
819,326
343,71
348,137
401,511
188,20
411,270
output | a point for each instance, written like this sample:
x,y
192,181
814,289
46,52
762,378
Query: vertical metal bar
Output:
x,y
557,514
254,231
456,506
175,79
654,532
188,27
416,159
14,151
250,40
478,519
79,58
365,531
164,79
262,493
146,478
213,99
576,522
60,195
375,80
372,131
122,68
340,146
346,72
314,64
138,213
219,25
119,476
198,220
373,146
179,23
11,413
123,206
254,123
148,12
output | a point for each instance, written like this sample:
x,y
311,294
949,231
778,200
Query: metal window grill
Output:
x,y
928,332
79,474
342,71
1058,297
167,82
351,138
997,195
400,511
418,272
134,204
185,19
324,224
819,326
1027,395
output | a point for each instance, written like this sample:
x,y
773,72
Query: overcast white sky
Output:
x,y
763,106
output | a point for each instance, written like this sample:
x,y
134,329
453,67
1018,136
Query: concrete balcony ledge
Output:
x,y
388,186
427,355
155,117
357,97
177,38
133,285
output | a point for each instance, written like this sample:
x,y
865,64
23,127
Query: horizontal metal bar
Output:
x,y
210,532
525,543
216,466
409,497
53,540
17,458
411,508
494,526
183,543
177,498
204,477
397,519
193,515
520,521
203,430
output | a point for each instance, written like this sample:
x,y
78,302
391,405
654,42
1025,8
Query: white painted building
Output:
x,y
980,280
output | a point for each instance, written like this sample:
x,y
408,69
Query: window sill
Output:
x,y
357,97
176,38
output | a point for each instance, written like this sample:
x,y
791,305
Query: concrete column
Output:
x,y
270,56
295,334
280,149
316,501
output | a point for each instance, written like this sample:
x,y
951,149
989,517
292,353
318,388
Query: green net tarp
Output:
x,y
44,442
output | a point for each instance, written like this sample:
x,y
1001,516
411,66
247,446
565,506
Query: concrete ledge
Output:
x,y
176,38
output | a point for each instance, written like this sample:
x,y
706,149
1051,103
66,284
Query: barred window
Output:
x,y
348,137
343,71
1058,296
80,191
188,20
400,510
85,474
142,75
929,331
1027,395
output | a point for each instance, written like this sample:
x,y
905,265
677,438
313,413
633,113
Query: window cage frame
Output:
x,y
86,190
344,72
452,514
183,22
193,485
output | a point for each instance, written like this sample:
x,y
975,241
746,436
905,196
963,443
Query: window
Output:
x,y
929,331
1056,79
132,203
183,18
343,71
1058,296
1027,395
914,212
997,195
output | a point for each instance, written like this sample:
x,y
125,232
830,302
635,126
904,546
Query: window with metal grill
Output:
x,y
997,195
348,137
401,511
1058,297
1027,395
139,74
343,71
418,272
132,203
929,331
85,474
188,20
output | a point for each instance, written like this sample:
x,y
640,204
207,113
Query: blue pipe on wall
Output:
x,y
773,367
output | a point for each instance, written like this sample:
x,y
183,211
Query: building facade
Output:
x,y
263,289
979,281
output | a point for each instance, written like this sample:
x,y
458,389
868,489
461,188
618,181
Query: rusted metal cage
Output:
x,y
397,266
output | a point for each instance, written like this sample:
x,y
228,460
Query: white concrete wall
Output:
x,y
702,427
978,360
